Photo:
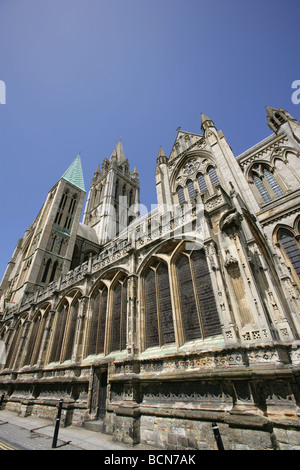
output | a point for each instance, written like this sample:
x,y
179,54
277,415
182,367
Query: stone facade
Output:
x,y
154,327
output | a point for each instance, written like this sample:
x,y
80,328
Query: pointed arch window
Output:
x,y
53,272
70,330
273,183
119,315
213,175
291,248
199,314
266,183
201,182
70,213
261,188
97,326
46,270
35,337
13,353
53,243
159,325
117,189
59,331
180,194
61,208
130,199
191,189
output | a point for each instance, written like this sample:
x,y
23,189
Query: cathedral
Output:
x,y
152,327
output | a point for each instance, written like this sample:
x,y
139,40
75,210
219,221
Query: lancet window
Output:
x,y
63,339
196,176
119,315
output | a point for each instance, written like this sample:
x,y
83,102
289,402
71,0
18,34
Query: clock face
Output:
x,y
190,167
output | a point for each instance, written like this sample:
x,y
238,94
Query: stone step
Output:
x,y
96,425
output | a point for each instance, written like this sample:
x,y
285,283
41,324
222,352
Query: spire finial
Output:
x,y
206,122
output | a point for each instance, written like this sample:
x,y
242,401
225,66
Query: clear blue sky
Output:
x,y
80,74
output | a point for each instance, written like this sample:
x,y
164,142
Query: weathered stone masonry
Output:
x,y
151,328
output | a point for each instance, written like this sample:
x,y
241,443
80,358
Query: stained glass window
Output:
x,y
290,246
201,182
191,189
98,322
213,175
180,194
119,316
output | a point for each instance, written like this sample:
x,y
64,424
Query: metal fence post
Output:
x,y
1,400
218,438
57,423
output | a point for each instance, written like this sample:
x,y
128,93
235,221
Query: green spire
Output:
x,y
74,174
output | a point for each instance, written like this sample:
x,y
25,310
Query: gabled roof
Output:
x,y
74,174
183,141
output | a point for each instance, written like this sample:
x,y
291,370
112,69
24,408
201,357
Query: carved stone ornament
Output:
x,y
231,220
230,260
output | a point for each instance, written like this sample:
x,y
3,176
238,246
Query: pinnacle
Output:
x,y
119,153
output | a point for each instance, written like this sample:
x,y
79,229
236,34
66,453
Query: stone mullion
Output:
x,y
259,317
131,339
110,299
178,327
226,320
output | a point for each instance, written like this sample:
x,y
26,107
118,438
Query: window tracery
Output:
x,y
266,183
179,297
119,315
159,327
197,175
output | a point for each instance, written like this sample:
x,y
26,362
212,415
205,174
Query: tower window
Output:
x,y
61,208
53,272
70,213
46,270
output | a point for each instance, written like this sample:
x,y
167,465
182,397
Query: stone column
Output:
x,y
131,345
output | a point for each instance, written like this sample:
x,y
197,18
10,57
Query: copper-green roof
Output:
x,y
74,174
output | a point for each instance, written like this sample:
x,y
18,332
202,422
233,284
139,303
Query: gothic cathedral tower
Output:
x,y
114,196
45,252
